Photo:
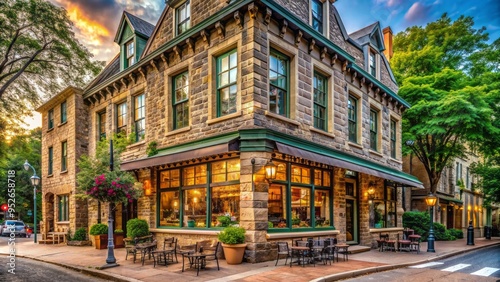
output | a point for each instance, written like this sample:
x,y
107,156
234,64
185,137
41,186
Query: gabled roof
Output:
x,y
364,36
138,26
158,25
111,69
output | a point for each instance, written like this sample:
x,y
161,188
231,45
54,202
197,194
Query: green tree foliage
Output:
x,y
39,53
21,148
439,73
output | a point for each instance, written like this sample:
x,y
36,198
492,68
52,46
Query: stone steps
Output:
x,y
358,249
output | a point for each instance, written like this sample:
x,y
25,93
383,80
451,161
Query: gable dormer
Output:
x,y
132,36
371,39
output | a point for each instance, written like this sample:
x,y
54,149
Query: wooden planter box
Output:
x,y
118,240
101,242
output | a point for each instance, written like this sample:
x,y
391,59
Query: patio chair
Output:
x,y
168,253
211,249
328,252
283,250
381,241
390,244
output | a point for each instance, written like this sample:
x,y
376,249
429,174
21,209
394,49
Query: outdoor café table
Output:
x,y
302,251
145,249
342,248
195,259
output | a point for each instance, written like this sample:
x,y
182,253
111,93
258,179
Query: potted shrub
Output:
x,y
233,242
100,233
79,238
137,228
118,238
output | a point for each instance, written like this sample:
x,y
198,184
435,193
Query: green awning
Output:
x,y
338,159
442,197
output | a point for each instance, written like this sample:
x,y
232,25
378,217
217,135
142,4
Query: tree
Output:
x,y
437,70
38,54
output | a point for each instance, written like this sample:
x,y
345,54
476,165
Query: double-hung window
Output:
x,y
130,53
183,17
279,83
227,87
393,139
139,116
373,64
180,101
63,207
64,116
121,118
51,161
317,15
101,125
320,85
385,208
352,108
64,156
51,118
373,130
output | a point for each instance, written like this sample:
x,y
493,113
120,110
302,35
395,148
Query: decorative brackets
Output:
x,y
312,43
284,26
354,75
141,71
132,77
178,51
124,81
153,64
267,16
190,43
239,19
324,51
344,66
333,60
298,37
253,10
205,35
164,59
220,29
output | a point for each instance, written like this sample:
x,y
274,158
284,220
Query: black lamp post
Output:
x,y
35,181
110,260
430,200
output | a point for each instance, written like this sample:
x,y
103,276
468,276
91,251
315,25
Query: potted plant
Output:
x,y
118,238
233,242
137,228
79,238
100,233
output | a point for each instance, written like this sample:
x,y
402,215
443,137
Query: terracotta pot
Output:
x,y
234,253
118,240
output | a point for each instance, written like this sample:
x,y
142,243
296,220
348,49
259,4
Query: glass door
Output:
x,y
351,213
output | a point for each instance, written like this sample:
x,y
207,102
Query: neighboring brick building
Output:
x,y
223,88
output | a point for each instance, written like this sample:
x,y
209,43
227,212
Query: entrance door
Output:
x,y
449,219
351,213
129,211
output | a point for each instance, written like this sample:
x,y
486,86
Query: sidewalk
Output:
x,y
88,260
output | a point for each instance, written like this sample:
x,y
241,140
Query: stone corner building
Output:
x,y
224,87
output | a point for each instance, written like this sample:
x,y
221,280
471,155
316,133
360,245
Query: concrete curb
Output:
x,y
369,270
89,271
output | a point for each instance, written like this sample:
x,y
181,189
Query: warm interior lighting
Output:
x,y
270,170
430,200
147,187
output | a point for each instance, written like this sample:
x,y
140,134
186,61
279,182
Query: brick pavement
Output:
x,y
88,260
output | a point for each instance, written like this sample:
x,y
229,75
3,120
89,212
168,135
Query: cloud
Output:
x,y
417,13
389,3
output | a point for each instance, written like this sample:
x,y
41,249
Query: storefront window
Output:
x,y
301,174
226,171
384,207
301,211
322,208
169,210
225,202
195,175
277,206
195,207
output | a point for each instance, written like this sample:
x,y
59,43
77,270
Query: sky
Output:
x,y
96,21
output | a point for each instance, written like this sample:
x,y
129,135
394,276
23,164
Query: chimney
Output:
x,y
388,42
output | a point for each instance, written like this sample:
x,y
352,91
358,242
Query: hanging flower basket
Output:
x,y
110,187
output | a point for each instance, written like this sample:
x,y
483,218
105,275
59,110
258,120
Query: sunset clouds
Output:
x,y
96,21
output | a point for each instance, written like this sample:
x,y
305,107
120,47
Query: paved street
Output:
x,y
479,265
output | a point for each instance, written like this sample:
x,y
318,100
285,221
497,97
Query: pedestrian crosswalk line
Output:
x,y
429,264
486,271
456,267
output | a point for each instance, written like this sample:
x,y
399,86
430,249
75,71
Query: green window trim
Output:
x,y
121,117
130,53
317,15
279,83
373,130
227,83
64,155
51,161
183,17
372,64
101,125
63,208
393,139
386,218
320,85
180,100
352,115
50,119
64,116
139,117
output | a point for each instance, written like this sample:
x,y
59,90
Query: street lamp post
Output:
x,y
430,200
35,181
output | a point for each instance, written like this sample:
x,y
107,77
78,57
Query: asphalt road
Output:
x,y
479,265
31,270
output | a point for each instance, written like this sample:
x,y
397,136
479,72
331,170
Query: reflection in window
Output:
x,y
301,211
322,208
195,175
277,206
169,209
183,17
225,201
301,174
280,171
180,102
195,207
227,79
225,171
170,179
279,84
352,108
121,118
384,207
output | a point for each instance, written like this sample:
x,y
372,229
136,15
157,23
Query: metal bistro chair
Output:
x,y
381,241
328,252
167,254
283,250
